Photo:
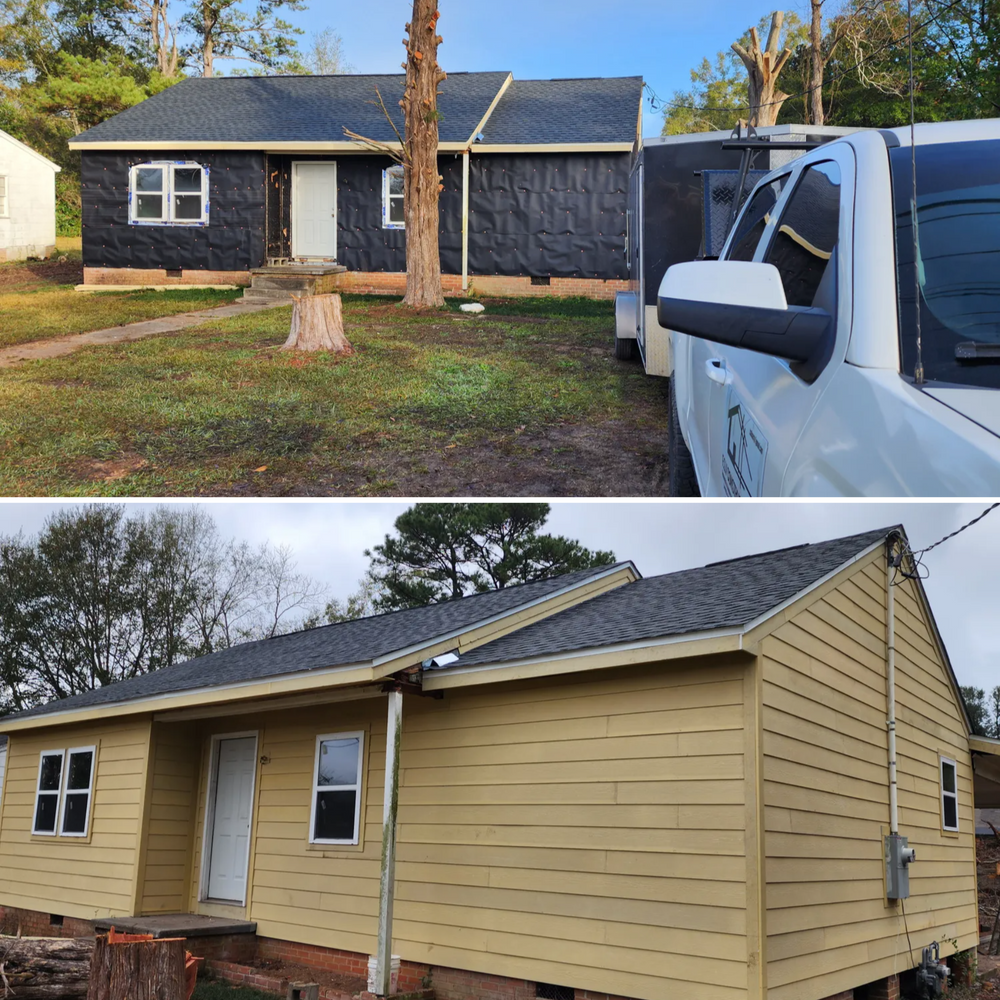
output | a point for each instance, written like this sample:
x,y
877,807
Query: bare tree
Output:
x,y
417,152
763,67
325,56
152,18
841,26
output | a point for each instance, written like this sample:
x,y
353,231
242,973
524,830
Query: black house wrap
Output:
x,y
233,240
538,214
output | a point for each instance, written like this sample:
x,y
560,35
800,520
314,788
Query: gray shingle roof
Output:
x,y
341,644
719,595
567,111
292,109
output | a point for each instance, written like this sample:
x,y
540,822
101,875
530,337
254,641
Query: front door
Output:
x,y
227,872
314,209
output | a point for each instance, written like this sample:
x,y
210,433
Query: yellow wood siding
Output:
x,y
77,878
588,831
826,795
170,823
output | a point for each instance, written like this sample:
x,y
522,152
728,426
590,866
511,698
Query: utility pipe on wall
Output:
x,y
465,221
890,677
387,883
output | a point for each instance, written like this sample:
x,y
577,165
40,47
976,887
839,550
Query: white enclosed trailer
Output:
x,y
681,193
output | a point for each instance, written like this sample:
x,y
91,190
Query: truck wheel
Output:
x,y
681,478
624,348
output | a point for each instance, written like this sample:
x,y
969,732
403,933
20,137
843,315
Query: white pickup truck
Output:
x,y
832,351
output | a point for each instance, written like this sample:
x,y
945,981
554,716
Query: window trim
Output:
x,y
168,191
4,196
942,760
67,791
39,792
387,199
316,788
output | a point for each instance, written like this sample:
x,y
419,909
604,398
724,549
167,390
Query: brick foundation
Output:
x,y
154,276
370,282
884,989
227,956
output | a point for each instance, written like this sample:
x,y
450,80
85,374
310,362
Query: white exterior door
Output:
x,y
227,875
314,209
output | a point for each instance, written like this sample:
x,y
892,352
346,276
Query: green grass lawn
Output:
x,y
525,399
55,312
214,990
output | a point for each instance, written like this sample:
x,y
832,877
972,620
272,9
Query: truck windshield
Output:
x,y
957,260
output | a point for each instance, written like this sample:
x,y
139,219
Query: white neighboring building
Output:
x,y
27,201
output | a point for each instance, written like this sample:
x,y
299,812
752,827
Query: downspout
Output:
x,y
387,881
465,221
890,683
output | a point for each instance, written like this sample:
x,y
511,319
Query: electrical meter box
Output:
x,y
898,857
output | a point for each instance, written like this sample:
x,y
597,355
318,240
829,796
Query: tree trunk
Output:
x,y
763,67
317,325
816,62
138,970
207,39
421,180
45,968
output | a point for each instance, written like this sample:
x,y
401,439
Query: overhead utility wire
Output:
x,y
919,571
655,99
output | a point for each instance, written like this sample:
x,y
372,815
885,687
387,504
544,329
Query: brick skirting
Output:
x,y
370,282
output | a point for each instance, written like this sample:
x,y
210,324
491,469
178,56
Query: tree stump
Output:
x,y
317,325
138,970
45,968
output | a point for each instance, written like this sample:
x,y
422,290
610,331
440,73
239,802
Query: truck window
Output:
x,y
807,233
754,220
958,242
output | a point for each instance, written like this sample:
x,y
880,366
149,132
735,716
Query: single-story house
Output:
x,y
212,179
597,785
27,201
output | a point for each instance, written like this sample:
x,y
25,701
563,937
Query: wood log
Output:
x,y
45,968
138,970
317,325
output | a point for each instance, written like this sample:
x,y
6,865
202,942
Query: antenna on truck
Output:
x,y
918,263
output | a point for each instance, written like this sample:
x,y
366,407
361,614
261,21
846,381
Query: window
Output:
x,y
755,219
66,779
392,198
336,804
806,236
949,794
168,194
3,197
47,797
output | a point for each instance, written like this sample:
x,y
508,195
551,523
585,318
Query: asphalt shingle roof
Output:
x,y
719,595
292,109
344,643
566,111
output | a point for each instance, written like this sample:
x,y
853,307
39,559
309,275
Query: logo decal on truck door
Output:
x,y
745,451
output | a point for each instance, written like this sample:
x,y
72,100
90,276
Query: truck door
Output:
x,y
762,402
706,376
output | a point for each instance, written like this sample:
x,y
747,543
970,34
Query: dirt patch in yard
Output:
x,y
63,269
610,459
111,470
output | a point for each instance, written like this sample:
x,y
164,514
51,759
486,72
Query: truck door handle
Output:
x,y
715,369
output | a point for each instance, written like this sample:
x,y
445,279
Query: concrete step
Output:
x,y
289,283
267,295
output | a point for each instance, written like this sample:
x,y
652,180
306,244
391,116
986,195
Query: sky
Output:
x,y
328,540
659,40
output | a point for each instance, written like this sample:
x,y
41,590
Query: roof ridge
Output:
x,y
791,548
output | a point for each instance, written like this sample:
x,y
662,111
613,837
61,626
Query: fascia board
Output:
x,y
222,694
413,652
490,109
689,644
333,146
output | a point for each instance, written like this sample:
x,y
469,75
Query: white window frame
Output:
x,y
4,196
67,791
387,198
167,217
948,795
61,754
356,787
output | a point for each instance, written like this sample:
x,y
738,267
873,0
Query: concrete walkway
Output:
x,y
56,347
